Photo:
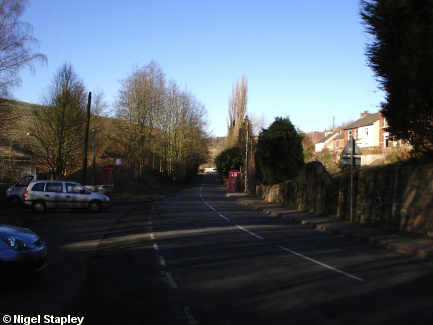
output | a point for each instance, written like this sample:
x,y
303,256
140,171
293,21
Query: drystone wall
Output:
x,y
397,198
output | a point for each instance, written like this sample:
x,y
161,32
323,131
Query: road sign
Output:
x,y
348,158
347,161
350,153
348,148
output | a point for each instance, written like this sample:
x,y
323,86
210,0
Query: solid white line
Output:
x,y
322,264
251,233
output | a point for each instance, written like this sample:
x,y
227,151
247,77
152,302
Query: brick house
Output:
x,y
326,142
368,132
339,142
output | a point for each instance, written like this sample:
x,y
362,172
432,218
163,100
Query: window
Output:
x,y
366,131
73,188
54,187
25,181
39,187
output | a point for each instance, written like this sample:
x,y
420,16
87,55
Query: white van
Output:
x,y
16,192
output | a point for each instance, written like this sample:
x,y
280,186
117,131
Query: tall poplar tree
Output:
x,y
237,111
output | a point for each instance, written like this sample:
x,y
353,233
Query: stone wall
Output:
x,y
397,198
313,191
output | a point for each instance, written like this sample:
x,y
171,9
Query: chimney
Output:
x,y
315,137
365,113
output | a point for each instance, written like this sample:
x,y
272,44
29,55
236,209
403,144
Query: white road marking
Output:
x,y
251,233
155,246
189,316
322,264
284,248
171,280
223,217
162,261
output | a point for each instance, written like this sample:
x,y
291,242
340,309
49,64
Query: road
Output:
x,y
198,257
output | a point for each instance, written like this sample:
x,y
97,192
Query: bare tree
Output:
x,y
140,100
58,126
162,126
16,44
258,123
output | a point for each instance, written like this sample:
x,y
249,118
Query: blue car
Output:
x,y
21,251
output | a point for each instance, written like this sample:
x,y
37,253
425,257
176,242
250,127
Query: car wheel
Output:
x,y
38,207
15,201
95,206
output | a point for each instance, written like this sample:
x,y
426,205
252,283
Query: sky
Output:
x,y
303,59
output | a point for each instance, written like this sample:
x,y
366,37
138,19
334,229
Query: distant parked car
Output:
x,y
42,195
21,251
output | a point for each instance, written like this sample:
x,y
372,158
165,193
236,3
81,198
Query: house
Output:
x,y
326,141
339,142
367,131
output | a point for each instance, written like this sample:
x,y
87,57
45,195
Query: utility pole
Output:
x,y
94,156
86,139
333,119
246,158
352,163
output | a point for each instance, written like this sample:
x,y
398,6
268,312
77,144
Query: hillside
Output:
x,y
14,139
216,145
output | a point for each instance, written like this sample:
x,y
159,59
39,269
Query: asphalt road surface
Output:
x,y
198,257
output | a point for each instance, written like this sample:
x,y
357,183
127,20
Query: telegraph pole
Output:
x,y
246,159
86,139
94,156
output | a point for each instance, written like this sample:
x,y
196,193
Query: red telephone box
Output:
x,y
233,176
108,179
108,174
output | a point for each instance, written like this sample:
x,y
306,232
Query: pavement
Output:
x,y
421,248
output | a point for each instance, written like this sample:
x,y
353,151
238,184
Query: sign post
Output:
x,y
348,156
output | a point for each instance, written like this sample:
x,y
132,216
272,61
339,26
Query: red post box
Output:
x,y
233,179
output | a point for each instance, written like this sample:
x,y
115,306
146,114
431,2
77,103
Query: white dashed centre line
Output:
x,y
251,233
321,264
284,248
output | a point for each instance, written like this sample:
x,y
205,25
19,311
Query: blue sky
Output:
x,y
302,58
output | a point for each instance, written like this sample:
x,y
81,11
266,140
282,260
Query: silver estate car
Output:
x,y
42,195
21,251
